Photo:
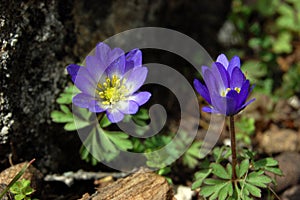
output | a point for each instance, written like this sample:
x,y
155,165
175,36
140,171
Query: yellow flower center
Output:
x,y
224,92
112,90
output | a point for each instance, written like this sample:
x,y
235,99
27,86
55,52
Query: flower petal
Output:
x,y
140,98
135,78
116,63
204,68
244,93
95,68
85,82
223,60
202,90
237,78
246,104
218,102
209,109
234,62
102,52
117,67
133,59
213,85
127,107
73,70
94,106
231,105
221,73
113,61
82,100
114,115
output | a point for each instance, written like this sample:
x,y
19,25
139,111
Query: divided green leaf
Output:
x,y
191,156
243,168
220,171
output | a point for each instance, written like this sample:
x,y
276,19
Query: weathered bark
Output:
x,y
139,186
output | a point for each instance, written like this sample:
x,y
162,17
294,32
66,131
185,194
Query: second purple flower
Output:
x,y
226,88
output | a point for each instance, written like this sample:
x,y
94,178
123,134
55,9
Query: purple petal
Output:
x,y
223,60
127,107
135,78
235,62
140,98
204,68
94,106
237,78
95,68
82,100
113,61
246,104
219,103
102,53
209,109
213,84
114,115
133,59
85,82
244,93
117,67
232,99
222,73
73,70
202,90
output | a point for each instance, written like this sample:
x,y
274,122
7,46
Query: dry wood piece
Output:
x,y
139,186
31,173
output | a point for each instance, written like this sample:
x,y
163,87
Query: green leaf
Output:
x,y
99,146
142,114
254,191
266,162
105,122
78,120
67,95
257,179
283,43
213,190
255,43
15,180
200,176
254,70
120,139
212,181
61,117
203,173
243,168
225,191
81,119
219,171
191,156
20,196
164,171
274,170
196,184
229,169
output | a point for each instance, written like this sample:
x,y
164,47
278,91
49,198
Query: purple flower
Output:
x,y
110,81
226,88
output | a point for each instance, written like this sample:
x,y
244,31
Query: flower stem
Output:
x,y
233,147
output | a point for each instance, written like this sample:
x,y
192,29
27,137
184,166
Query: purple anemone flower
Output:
x,y
226,88
109,82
